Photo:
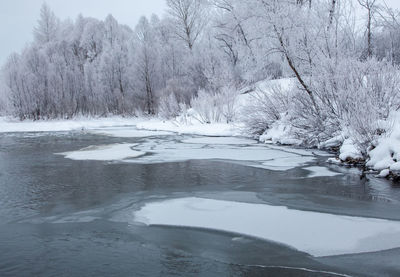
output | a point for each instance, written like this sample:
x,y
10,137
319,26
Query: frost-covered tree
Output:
x,y
370,6
189,19
146,57
48,26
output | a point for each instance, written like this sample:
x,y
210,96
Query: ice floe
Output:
x,y
319,171
169,149
286,163
318,234
255,156
111,152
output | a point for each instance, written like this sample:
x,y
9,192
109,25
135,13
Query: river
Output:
x,y
62,214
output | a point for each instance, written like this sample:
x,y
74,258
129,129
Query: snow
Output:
x,y
395,166
128,132
111,152
220,140
334,161
318,234
279,133
285,84
275,158
168,149
349,151
319,171
10,125
384,173
333,142
386,155
193,128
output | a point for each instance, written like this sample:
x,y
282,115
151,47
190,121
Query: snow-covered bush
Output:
x,y
207,107
4,101
264,106
351,98
213,107
168,106
227,99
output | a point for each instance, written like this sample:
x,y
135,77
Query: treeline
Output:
x,y
346,71
93,67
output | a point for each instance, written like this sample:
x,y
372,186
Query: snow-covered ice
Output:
x,y
131,132
318,234
251,155
168,149
286,163
111,152
319,171
220,140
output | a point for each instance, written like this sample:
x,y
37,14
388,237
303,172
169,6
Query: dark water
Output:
x,y
60,217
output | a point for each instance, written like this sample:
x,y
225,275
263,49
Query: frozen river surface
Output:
x,y
127,202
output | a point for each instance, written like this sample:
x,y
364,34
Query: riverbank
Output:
x,y
383,159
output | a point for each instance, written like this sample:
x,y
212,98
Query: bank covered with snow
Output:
x,y
13,125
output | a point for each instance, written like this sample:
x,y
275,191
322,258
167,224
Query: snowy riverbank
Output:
x,y
13,125
383,158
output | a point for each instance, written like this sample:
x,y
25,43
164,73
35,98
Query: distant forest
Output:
x,y
203,53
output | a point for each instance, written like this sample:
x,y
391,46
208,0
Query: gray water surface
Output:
x,y
60,217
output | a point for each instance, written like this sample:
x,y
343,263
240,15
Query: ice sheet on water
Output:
x,y
171,150
318,234
263,156
319,171
111,152
286,163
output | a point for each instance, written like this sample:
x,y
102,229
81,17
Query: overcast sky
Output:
x,y
18,17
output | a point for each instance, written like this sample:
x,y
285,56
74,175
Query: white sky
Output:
x,y
18,17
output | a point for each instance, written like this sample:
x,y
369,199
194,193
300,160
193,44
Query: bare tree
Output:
x,y
370,6
189,17
332,12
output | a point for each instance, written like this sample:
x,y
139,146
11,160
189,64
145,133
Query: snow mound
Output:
x,y
213,129
279,133
386,155
349,151
333,142
112,152
315,233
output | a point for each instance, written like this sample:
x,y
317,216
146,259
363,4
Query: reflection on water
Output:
x,y
37,188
